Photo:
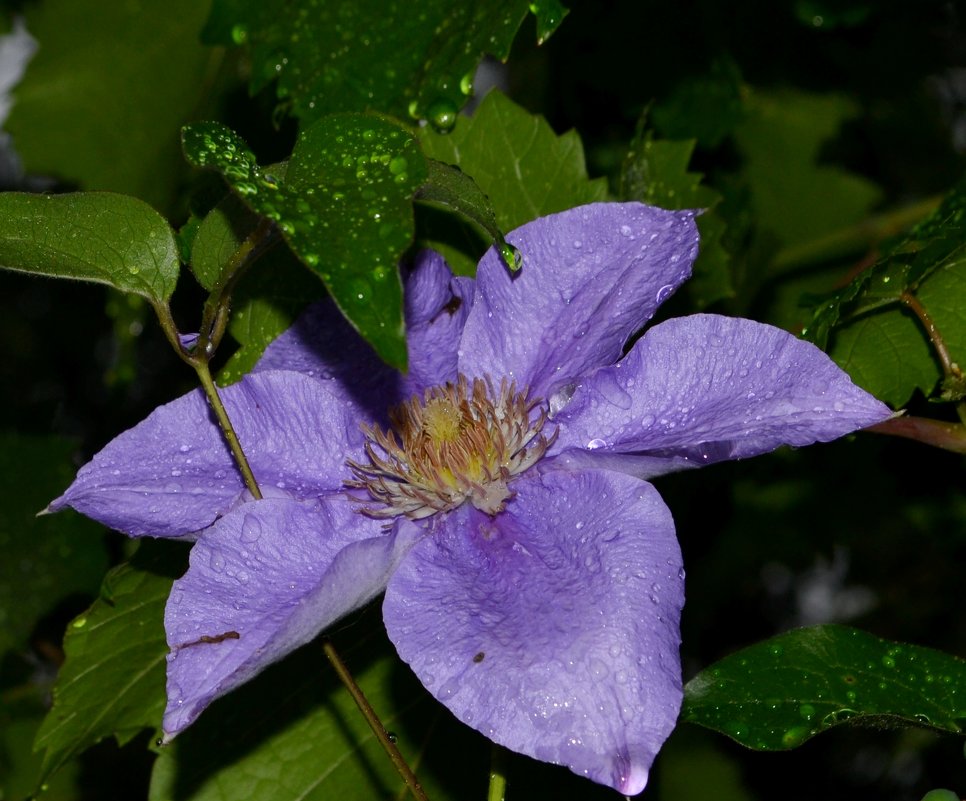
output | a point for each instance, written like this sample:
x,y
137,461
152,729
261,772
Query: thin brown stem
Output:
x,y
948,436
373,720
950,368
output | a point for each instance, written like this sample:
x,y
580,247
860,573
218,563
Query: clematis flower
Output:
x,y
497,493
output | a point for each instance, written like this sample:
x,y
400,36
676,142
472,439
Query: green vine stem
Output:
x,y
227,430
855,237
373,720
497,789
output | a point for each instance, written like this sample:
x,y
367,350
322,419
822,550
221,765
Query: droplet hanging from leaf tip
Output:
x,y
441,114
512,257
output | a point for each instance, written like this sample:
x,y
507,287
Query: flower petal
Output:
x,y
553,627
706,388
591,277
265,579
172,474
437,305
322,344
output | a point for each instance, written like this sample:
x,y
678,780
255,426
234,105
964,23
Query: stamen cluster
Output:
x,y
460,442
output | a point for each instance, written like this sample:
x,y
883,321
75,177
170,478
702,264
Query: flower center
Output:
x,y
460,442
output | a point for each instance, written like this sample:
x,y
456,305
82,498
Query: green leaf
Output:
x,y
112,681
218,237
45,558
266,303
794,198
451,188
878,341
111,84
90,236
705,107
656,172
516,159
294,732
370,54
345,209
777,694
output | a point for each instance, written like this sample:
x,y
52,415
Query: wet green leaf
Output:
x,y
110,86
876,339
448,186
344,207
45,558
779,693
90,236
374,54
516,159
294,732
113,679
656,172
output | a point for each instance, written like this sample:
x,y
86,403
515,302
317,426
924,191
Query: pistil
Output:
x,y
459,442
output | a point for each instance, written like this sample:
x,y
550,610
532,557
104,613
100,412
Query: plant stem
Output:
x,y
855,237
497,790
950,368
948,436
373,720
204,375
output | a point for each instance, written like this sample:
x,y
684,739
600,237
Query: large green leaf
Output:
x,y
516,159
90,236
111,84
294,732
113,679
344,207
45,558
374,54
794,198
779,693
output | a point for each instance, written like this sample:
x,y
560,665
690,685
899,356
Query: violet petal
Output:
x,y
265,579
706,388
322,344
172,474
437,305
591,277
553,627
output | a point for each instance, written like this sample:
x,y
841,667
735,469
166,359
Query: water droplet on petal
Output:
x,y
251,529
664,293
216,562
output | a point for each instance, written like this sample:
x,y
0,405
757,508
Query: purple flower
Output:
x,y
532,576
